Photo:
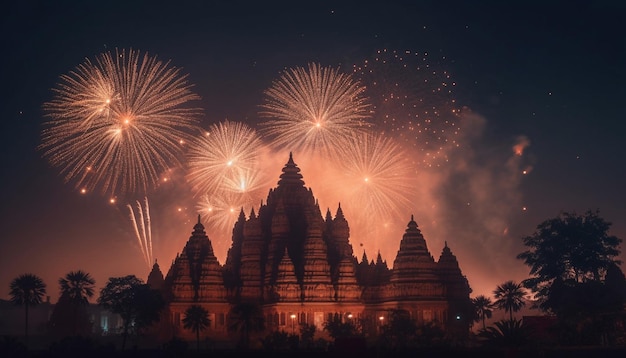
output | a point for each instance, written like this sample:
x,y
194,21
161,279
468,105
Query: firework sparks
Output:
x,y
226,158
116,123
374,178
314,110
413,102
142,228
222,209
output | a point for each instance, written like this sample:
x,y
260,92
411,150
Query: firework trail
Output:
x,y
413,101
314,110
117,122
140,221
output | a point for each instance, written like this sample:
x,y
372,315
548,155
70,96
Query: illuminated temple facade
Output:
x,y
298,266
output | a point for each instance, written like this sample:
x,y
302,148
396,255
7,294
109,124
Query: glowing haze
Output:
x,y
384,141
482,117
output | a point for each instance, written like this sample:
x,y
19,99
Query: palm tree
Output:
x,y
77,287
483,306
27,290
509,334
197,319
510,297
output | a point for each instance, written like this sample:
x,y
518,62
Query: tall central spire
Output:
x,y
291,174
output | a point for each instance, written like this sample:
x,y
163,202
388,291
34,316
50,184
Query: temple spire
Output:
x,y
339,213
291,174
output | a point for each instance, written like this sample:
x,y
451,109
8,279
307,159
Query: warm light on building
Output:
x,y
286,267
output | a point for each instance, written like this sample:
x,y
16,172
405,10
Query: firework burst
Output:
x,y
117,123
226,158
314,109
221,210
374,178
413,102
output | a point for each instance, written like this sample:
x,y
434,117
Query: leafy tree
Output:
x,y
484,308
339,328
68,319
280,341
196,319
307,333
570,248
27,290
245,318
510,297
576,274
615,282
137,304
77,287
430,334
150,303
400,329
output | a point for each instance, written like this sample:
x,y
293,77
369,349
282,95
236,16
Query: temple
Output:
x,y
298,267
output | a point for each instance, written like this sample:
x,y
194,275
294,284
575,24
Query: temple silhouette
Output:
x,y
299,267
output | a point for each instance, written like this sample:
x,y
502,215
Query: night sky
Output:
x,y
546,78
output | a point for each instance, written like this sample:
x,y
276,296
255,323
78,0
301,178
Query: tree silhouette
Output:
x,y
570,248
339,328
68,319
27,290
244,318
399,330
307,333
484,308
575,274
510,297
77,287
507,333
137,304
197,319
